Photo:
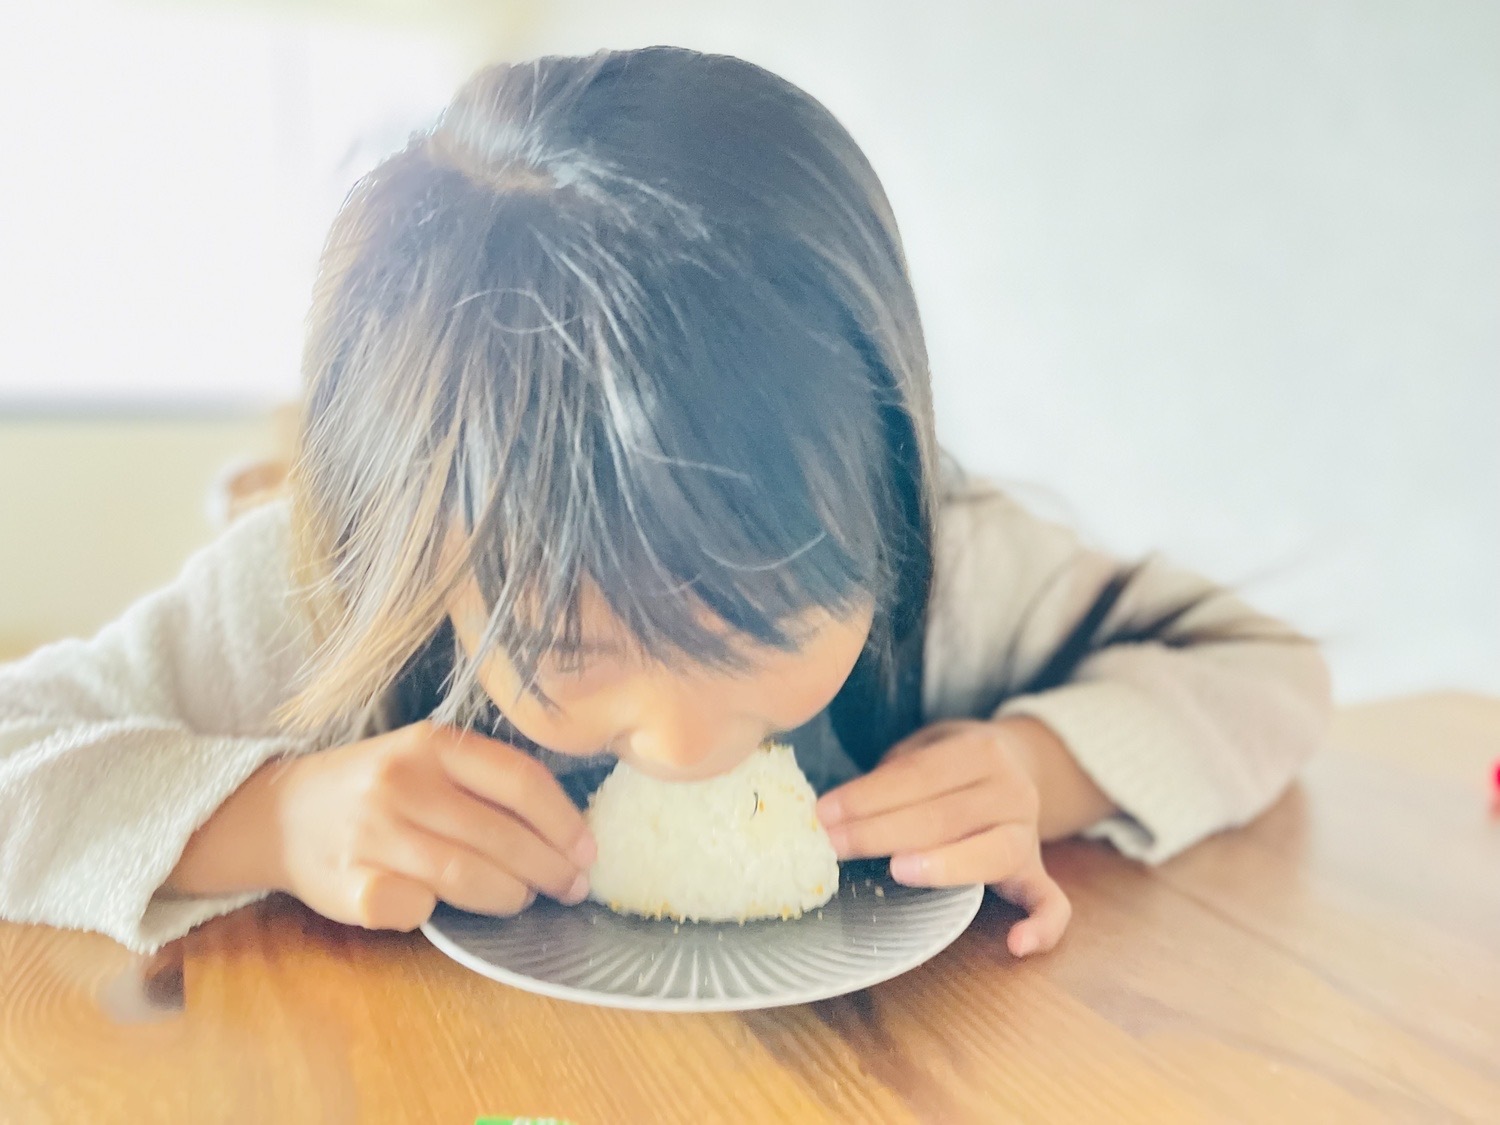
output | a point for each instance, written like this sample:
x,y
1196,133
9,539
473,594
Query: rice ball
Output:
x,y
740,846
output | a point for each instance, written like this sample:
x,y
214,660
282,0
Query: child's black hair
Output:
x,y
639,319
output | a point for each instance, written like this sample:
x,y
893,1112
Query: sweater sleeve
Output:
x,y
1195,727
115,749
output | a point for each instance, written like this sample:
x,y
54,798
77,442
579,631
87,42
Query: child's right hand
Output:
x,y
376,832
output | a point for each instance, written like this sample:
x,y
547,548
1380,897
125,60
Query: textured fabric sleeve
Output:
x,y
115,749
1187,736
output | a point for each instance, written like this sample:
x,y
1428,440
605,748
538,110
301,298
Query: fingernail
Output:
x,y
578,891
828,811
840,841
908,868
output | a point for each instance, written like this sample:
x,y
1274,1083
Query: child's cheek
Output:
x,y
796,699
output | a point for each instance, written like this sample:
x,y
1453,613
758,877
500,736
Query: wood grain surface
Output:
x,y
1337,960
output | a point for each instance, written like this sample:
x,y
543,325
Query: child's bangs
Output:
x,y
732,473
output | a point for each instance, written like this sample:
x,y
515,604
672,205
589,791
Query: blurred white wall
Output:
x,y
1216,277
172,166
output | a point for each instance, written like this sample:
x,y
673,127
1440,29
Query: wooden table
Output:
x,y
1339,960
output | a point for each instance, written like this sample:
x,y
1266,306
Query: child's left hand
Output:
x,y
956,803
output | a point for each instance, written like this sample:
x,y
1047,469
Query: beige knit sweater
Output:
x,y
114,749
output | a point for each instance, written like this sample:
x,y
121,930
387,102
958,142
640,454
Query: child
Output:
x,y
617,441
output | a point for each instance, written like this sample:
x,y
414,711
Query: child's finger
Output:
x,y
383,900
1047,907
455,814
989,856
941,766
926,824
924,736
467,879
506,777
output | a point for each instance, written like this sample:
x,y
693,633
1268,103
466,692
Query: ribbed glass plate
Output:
x,y
872,930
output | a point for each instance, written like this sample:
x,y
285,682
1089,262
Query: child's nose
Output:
x,y
681,737
672,745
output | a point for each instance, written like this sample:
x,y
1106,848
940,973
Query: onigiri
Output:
x,y
741,846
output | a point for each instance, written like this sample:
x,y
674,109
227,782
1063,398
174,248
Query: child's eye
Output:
x,y
576,675
586,669
570,667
